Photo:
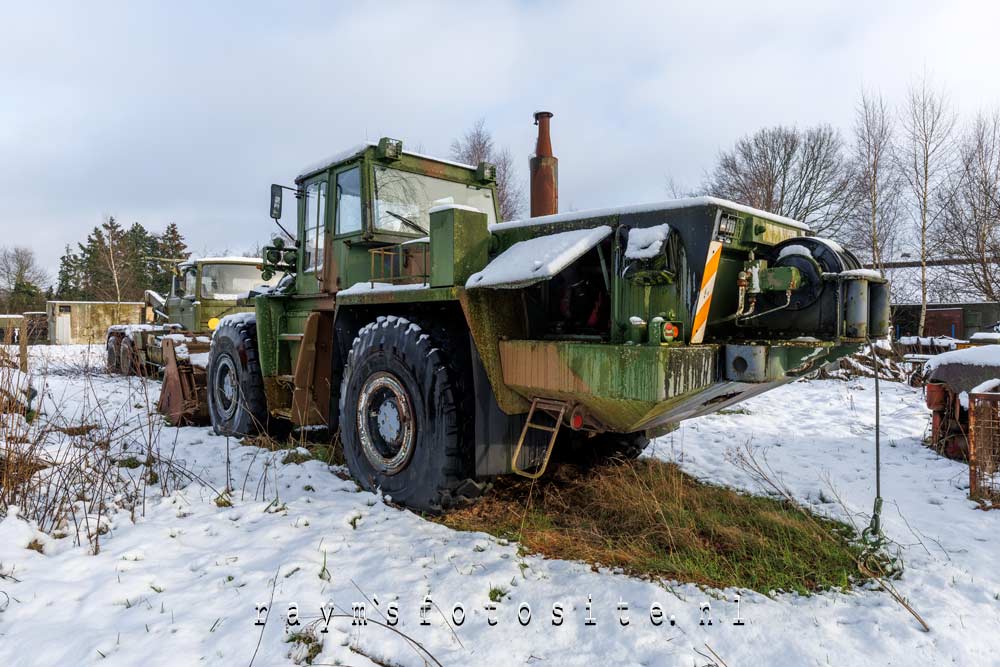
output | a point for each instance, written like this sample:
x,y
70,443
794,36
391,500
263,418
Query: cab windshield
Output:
x,y
403,200
228,282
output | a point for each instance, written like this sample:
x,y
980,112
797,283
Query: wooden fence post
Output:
x,y
23,344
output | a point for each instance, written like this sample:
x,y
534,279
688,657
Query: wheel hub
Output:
x,y
385,423
226,386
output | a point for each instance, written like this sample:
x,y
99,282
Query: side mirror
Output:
x,y
276,201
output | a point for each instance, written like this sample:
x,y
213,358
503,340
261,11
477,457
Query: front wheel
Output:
x,y
404,418
237,405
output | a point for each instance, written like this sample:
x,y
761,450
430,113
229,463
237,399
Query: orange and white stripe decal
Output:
x,y
705,296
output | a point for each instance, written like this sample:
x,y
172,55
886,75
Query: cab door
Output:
x,y
313,215
181,302
347,227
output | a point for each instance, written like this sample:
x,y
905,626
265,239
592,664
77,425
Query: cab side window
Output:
x,y
190,281
315,218
349,201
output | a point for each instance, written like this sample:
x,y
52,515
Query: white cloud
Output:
x,y
186,112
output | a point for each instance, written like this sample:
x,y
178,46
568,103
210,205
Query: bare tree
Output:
x,y
801,174
928,122
875,225
22,279
19,265
969,227
477,146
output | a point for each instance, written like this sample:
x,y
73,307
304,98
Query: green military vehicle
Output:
x,y
447,347
177,339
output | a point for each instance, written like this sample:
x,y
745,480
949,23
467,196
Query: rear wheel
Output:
x,y
404,418
128,358
113,360
236,401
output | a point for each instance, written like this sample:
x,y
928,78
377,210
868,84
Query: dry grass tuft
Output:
x,y
650,519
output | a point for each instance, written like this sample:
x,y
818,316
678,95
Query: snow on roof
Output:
x,y
986,335
985,387
354,150
670,204
983,355
537,259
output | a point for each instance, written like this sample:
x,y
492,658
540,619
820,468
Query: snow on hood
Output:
x,y
537,259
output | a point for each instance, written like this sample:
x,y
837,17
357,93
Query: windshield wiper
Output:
x,y
406,221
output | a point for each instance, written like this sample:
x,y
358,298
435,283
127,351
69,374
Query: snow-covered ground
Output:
x,y
180,585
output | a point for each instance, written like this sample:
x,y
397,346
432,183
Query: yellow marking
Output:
x,y
705,295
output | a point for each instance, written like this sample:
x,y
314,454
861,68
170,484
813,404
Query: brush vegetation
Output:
x,y
652,520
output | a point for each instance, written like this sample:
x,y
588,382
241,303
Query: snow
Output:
x,y
790,250
448,207
991,336
646,242
354,150
983,355
199,359
986,387
927,341
867,274
229,259
537,259
670,204
180,584
369,287
236,319
831,244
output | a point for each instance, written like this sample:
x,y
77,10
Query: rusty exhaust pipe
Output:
x,y
544,170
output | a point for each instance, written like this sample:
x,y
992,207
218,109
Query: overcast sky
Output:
x,y
186,111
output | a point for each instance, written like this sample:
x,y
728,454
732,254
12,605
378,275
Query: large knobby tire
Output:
x,y
237,404
113,359
128,357
405,418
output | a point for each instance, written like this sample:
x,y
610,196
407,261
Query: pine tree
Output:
x,y
137,274
69,286
170,246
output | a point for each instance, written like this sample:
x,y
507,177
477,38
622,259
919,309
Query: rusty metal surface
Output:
x,y
623,387
493,316
544,170
183,396
984,447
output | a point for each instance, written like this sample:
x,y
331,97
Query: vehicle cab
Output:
x,y
371,197
205,289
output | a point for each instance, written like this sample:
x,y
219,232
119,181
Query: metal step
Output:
x,y
554,409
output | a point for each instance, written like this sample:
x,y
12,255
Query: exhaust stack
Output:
x,y
544,170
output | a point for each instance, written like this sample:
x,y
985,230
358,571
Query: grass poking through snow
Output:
x,y
652,520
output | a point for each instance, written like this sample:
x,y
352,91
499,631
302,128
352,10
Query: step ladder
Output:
x,y
555,410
